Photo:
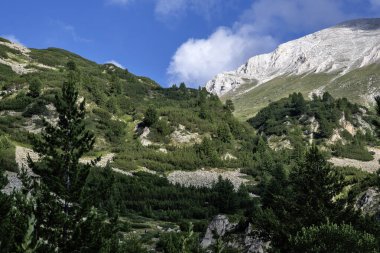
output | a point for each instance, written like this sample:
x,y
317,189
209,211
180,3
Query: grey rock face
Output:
x,y
219,225
369,202
339,49
245,241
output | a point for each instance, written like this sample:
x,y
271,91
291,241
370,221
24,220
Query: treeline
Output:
x,y
303,210
154,197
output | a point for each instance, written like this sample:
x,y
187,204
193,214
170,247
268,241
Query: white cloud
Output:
x,y
12,38
117,64
198,60
257,31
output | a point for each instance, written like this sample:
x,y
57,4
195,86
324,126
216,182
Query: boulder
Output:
x,y
245,241
369,202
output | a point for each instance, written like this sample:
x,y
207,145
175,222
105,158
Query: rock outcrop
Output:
x,y
245,241
220,225
369,202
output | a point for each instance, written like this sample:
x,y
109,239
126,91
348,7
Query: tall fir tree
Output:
x,y
61,220
62,145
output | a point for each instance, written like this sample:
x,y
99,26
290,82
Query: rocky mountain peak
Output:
x,y
338,50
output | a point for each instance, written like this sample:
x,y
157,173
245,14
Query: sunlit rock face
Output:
x,y
338,49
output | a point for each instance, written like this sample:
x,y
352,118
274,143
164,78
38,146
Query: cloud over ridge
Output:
x,y
196,60
259,29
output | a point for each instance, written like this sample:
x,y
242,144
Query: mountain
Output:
x,y
174,159
343,60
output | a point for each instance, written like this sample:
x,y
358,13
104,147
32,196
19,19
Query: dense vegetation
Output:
x,y
154,197
318,120
303,200
296,110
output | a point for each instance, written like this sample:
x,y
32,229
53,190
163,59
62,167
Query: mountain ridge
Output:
x,y
335,51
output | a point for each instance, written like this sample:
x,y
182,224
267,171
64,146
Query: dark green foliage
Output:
x,y
315,183
36,108
18,103
115,131
294,110
174,243
160,131
6,74
225,200
333,238
184,242
207,153
154,196
131,245
35,87
100,186
71,66
64,224
7,155
353,151
229,105
302,199
224,133
6,228
61,146
151,117
377,99
163,128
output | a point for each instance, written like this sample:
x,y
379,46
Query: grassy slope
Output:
x,y
248,104
357,86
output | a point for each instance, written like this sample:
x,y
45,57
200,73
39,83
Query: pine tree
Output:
x,y
315,183
304,199
62,176
62,146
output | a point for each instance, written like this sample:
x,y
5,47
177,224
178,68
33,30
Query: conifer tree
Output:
x,y
60,148
62,145
315,184
304,199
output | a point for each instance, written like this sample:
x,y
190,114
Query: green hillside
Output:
x,y
358,86
168,160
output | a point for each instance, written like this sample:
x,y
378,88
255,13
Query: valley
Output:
x,y
284,149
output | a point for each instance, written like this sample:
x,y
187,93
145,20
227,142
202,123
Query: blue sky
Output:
x,y
173,40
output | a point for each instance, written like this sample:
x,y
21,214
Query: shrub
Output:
x,y
7,155
333,238
19,103
35,87
151,116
